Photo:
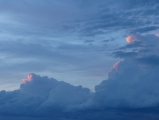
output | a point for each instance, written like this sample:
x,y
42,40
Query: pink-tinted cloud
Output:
x,y
131,39
28,79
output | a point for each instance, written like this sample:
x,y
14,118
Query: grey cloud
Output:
x,y
83,18
144,45
130,87
45,98
132,83
149,60
129,16
122,54
134,77
42,96
145,29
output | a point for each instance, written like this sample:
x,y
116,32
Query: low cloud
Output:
x,y
131,90
133,82
42,96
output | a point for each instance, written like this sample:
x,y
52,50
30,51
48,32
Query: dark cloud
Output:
x,y
130,92
41,96
139,47
84,18
129,16
122,54
45,98
145,29
149,60
132,81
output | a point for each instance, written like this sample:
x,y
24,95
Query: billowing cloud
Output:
x,y
133,82
132,85
28,79
41,96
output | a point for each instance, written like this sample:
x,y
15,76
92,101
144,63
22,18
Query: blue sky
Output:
x,y
75,47
53,38
69,40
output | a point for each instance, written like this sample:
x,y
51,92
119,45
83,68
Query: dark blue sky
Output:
x,y
110,47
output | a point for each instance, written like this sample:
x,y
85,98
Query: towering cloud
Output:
x,y
133,82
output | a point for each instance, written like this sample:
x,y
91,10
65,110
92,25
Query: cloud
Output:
x,y
122,54
45,58
41,96
131,90
133,82
38,35
145,29
152,60
83,18
126,16
131,39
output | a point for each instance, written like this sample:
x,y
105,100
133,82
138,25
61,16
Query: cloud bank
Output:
x,y
132,89
42,96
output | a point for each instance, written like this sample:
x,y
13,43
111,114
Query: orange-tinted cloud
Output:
x,y
29,78
131,39
116,65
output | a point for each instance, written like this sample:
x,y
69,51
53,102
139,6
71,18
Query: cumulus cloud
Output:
x,y
132,85
42,96
133,82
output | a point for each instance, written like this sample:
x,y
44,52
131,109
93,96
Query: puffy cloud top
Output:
x,y
131,39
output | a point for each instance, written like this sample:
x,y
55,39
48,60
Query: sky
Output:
x,y
53,38
85,59
71,40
